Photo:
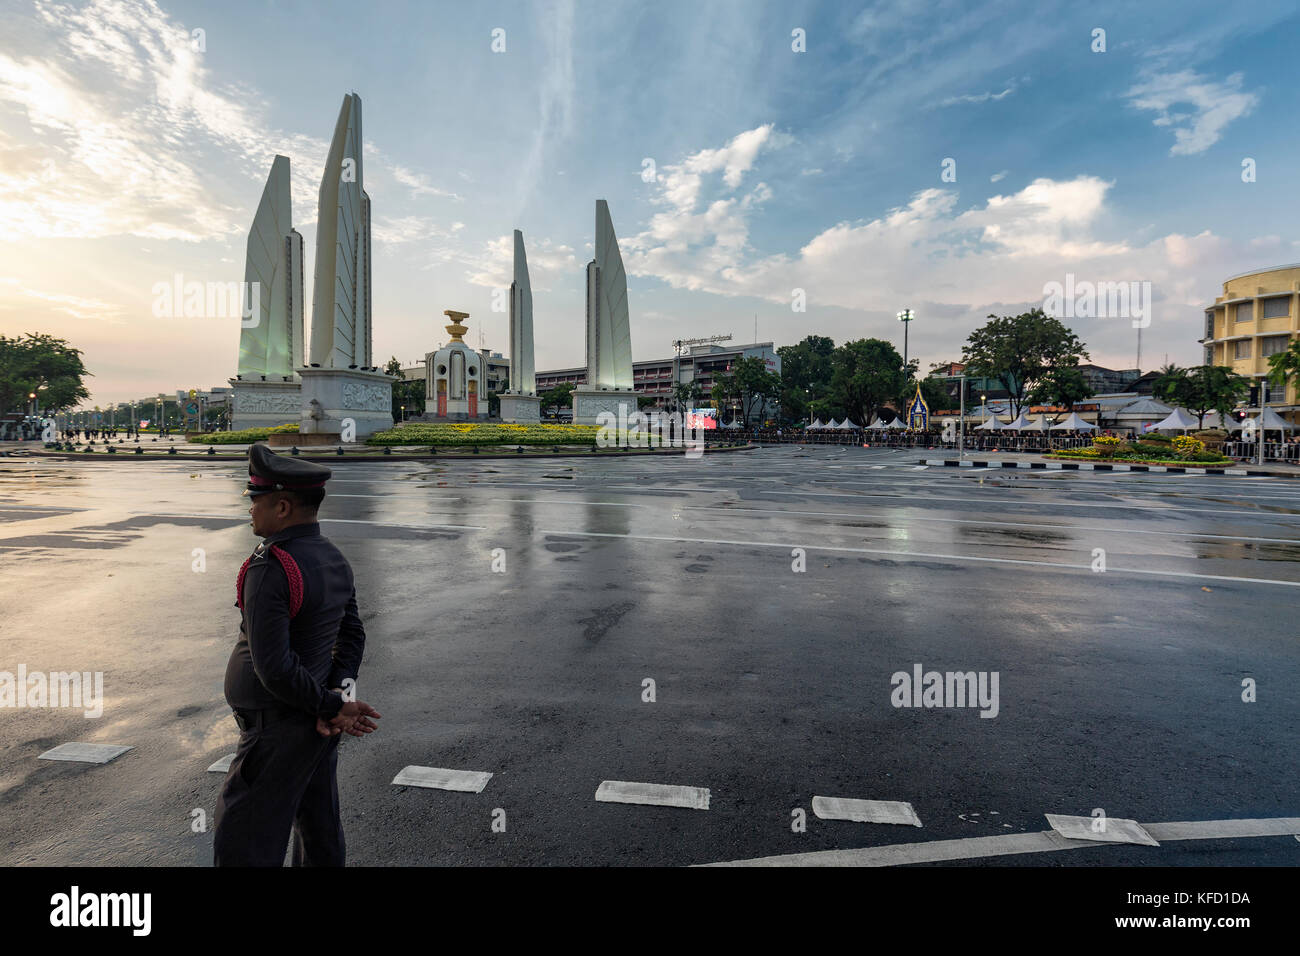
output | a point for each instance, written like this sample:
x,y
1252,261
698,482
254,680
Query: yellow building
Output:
x,y
1255,318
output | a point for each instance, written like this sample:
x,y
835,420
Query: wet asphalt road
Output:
x,y
1120,690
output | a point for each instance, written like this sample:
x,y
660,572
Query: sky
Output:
x,y
853,160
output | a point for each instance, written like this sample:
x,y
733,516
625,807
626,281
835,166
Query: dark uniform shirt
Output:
x,y
295,662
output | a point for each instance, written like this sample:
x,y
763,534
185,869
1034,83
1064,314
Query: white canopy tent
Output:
x,y
848,425
1036,425
877,426
1020,424
896,423
817,423
1269,420
1179,419
732,424
993,424
1073,423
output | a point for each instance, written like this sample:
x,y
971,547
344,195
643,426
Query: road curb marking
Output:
x,y
653,794
439,778
1115,830
85,753
865,811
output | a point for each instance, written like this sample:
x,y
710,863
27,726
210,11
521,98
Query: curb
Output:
x,y
346,459
1099,466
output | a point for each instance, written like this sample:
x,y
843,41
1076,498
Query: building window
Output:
x,y
1209,355
1275,308
1274,393
1245,311
1241,349
1209,324
1273,344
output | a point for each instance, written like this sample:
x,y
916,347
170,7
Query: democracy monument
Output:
x,y
338,381
330,385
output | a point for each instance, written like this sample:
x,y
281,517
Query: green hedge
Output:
x,y
245,437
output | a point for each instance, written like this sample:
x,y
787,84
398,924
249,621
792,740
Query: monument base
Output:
x,y
293,439
265,404
333,397
520,409
590,400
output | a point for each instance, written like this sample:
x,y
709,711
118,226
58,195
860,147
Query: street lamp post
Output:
x,y
906,317
961,426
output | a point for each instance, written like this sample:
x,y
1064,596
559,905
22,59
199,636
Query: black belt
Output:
x,y
259,719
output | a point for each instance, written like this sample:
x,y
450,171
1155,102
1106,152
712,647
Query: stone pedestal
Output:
x,y
520,409
330,395
589,401
265,404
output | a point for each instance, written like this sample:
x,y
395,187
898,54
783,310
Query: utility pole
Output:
x,y
961,424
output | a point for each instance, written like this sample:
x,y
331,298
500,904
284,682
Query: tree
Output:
x,y
685,394
755,384
1021,351
723,393
1213,388
1061,386
1171,386
865,373
1284,367
409,393
559,397
42,364
805,374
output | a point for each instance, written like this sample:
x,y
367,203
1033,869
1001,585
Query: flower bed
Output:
x,y
1195,461
440,434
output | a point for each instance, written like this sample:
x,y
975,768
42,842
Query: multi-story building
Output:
x,y
1255,318
701,364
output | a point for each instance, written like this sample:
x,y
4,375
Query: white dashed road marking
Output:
x,y
653,794
1114,830
865,811
437,778
222,765
85,753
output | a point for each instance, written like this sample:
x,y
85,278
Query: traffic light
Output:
x,y
1254,395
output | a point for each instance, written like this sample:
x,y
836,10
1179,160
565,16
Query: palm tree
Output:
x,y
1171,385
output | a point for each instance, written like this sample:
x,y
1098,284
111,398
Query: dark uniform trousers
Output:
x,y
282,781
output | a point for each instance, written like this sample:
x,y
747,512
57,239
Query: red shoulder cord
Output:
x,y
291,572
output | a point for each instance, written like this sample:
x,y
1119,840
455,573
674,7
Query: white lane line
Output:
x,y
920,554
1020,503
382,524
971,848
1090,529
438,778
653,794
85,753
1113,829
222,765
865,811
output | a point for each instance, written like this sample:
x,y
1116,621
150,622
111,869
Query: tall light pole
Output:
x,y
906,316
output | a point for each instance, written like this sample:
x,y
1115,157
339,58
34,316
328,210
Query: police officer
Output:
x,y
300,640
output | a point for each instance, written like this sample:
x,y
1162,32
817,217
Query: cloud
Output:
x,y
547,262
1213,106
124,112
978,97
999,176
419,184
953,264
